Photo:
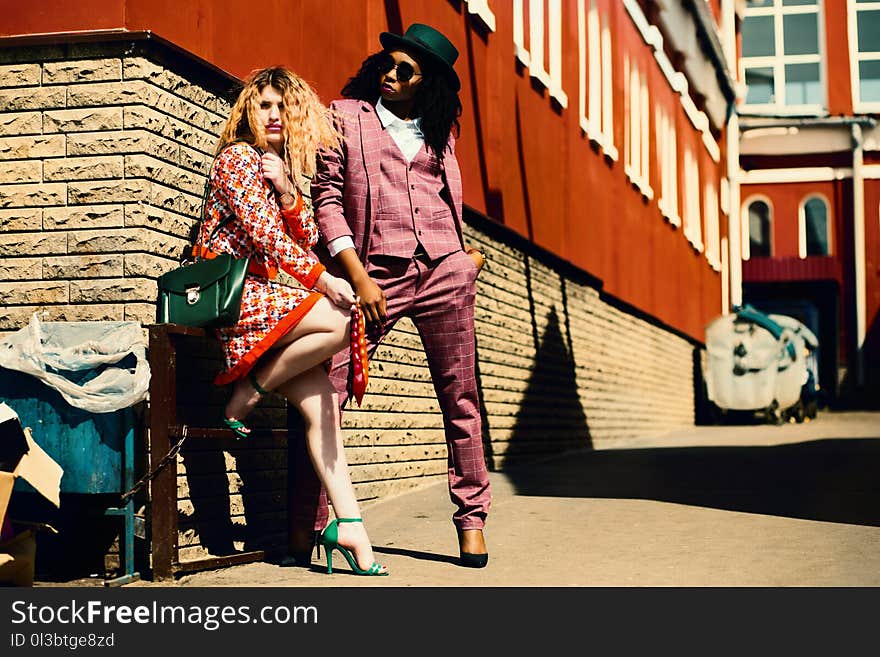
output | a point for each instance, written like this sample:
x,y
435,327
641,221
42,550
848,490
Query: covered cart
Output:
x,y
757,363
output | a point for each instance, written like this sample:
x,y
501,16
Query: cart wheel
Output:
x,y
798,411
715,413
774,416
811,409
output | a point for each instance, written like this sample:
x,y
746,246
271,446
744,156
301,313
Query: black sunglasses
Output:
x,y
405,70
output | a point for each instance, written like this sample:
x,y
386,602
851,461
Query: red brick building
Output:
x,y
600,158
810,179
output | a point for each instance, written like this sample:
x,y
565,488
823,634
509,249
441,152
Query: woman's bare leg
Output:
x,y
320,334
316,399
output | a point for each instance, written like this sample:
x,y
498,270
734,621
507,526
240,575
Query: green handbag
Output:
x,y
205,293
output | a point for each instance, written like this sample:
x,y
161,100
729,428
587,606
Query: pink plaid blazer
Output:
x,y
341,190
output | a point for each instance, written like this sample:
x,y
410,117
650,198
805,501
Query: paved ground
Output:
x,y
796,505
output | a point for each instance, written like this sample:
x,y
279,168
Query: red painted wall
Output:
x,y
872,273
715,6
60,16
525,161
837,59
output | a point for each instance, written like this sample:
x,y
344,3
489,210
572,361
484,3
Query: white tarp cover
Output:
x,y
47,349
748,368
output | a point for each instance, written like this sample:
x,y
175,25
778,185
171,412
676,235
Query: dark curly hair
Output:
x,y
436,101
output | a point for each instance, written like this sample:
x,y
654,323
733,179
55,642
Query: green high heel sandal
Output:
x,y
329,539
239,428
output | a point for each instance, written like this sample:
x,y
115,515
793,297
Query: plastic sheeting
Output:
x,y
99,367
754,362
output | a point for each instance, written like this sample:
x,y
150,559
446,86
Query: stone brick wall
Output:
x,y
103,161
104,149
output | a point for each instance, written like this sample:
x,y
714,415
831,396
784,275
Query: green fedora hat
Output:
x,y
425,40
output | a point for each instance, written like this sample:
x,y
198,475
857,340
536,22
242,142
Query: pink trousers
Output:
x,y
439,298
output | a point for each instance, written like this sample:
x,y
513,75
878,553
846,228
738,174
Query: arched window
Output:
x,y
759,229
814,228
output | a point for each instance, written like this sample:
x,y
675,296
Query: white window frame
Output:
x,y
855,56
725,276
778,61
713,232
667,151
745,245
594,80
802,224
533,56
481,9
519,43
607,98
636,128
691,189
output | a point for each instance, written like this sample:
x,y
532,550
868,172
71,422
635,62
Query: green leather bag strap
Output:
x,y
225,220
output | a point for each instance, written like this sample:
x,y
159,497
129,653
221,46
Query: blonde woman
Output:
x,y
284,335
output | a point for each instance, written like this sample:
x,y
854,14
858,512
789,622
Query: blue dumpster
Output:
x,y
96,450
46,369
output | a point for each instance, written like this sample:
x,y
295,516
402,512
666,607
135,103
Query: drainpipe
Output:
x,y
734,230
859,248
734,217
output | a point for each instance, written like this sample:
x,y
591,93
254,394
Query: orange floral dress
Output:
x,y
273,239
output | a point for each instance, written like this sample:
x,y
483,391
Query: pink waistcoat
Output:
x,y
408,208
368,191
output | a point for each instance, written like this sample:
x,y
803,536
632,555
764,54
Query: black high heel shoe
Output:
x,y
470,559
303,559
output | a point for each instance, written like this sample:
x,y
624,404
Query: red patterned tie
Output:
x,y
359,362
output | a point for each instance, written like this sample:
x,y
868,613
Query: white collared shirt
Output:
x,y
409,139
406,134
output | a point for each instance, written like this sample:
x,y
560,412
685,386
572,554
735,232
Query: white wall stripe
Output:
x,y
805,174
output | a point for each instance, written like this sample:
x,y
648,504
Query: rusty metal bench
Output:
x,y
168,430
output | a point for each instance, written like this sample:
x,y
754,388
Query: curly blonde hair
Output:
x,y
307,123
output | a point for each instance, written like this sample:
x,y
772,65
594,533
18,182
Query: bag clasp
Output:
x,y
192,295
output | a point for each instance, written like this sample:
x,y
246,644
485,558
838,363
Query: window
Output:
x,y
667,153
533,57
594,50
782,55
691,191
813,228
865,36
710,211
607,105
759,231
636,128
481,9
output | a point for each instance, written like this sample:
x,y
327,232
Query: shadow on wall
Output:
x,y
831,480
208,493
233,495
257,497
485,428
551,417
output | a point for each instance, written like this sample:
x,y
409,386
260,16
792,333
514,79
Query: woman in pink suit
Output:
x,y
284,335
